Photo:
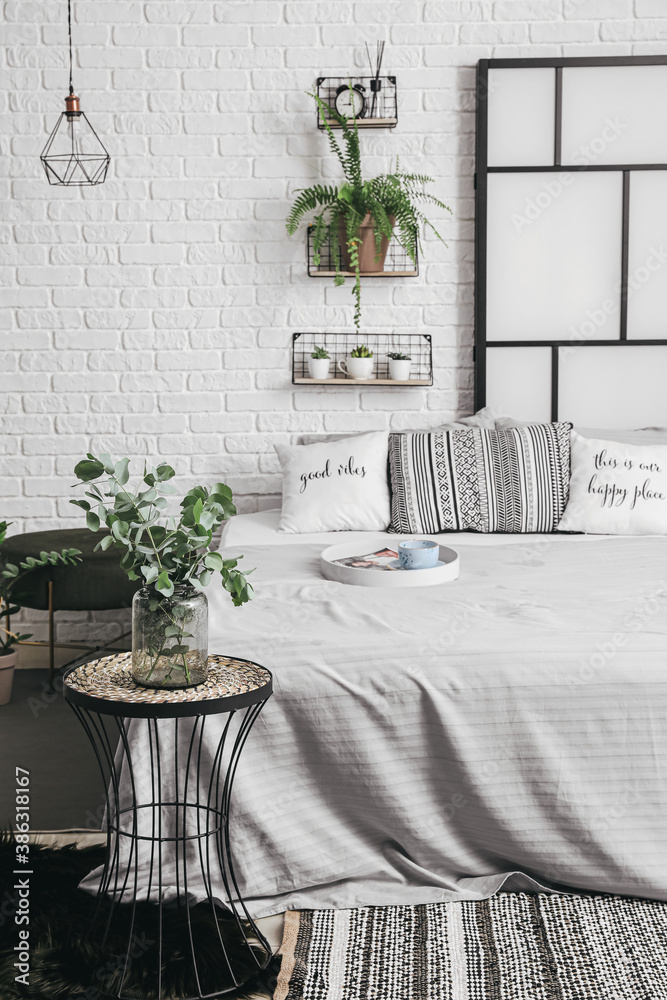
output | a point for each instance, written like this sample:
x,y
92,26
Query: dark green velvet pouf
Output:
x,y
95,584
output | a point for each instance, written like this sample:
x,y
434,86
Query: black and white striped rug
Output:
x,y
513,946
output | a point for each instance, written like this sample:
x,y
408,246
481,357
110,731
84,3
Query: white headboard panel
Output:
x,y
571,240
550,267
611,113
634,386
519,380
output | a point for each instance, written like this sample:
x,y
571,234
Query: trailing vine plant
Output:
x,y
14,588
392,201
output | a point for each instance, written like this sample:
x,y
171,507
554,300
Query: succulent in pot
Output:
x,y
399,366
358,219
13,590
174,557
359,364
318,363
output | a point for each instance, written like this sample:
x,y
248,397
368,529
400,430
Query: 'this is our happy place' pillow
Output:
x,y
511,480
616,489
336,486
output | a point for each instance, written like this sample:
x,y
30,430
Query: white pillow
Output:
x,y
336,485
616,488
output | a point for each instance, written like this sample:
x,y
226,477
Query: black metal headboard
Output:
x,y
571,198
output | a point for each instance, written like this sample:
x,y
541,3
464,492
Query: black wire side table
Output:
x,y
168,787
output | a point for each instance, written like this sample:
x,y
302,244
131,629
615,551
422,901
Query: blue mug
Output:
x,y
418,553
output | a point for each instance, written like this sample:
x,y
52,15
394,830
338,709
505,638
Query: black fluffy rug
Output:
x,y
66,962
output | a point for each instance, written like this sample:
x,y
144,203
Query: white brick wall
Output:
x,y
152,316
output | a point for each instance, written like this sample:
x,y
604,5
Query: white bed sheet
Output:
x,y
261,528
427,745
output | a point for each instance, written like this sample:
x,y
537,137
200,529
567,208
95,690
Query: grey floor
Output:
x,y
39,732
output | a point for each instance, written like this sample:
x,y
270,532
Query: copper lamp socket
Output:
x,y
72,109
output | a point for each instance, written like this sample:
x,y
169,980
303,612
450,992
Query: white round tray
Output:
x,y
385,578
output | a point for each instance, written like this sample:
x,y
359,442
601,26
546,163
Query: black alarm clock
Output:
x,y
350,101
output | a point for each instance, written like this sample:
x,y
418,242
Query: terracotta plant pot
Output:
x,y
7,665
368,262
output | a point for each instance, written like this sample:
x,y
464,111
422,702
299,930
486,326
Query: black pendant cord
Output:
x,y
69,29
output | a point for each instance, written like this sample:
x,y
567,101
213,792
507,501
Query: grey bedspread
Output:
x,y
424,745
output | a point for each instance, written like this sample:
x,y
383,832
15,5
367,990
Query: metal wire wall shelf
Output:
x,y
339,345
379,93
397,262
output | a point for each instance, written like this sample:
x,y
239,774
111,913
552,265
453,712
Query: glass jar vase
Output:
x,y
169,637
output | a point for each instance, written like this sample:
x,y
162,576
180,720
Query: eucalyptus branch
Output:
x,y
180,551
142,519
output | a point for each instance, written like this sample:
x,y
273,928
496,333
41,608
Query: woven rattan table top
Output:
x,y
108,683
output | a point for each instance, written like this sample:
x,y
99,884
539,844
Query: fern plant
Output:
x,y
392,201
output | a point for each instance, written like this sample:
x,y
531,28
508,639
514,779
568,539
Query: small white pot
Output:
x,y
359,368
399,371
7,665
319,367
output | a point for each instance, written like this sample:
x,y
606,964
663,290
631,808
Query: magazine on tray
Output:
x,y
379,560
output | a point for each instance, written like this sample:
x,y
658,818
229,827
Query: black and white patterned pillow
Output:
x,y
511,480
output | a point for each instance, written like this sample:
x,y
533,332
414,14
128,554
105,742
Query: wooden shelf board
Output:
x,y
360,381
367,123
314,273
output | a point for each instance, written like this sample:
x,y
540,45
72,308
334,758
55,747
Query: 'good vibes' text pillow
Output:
x,y
336,486
616,489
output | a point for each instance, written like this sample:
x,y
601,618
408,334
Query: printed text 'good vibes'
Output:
x,y
344,469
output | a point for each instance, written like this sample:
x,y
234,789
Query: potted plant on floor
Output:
x,y
12,591
318,363
399,366
174,556
363,216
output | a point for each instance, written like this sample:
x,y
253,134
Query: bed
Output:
x,y
505,729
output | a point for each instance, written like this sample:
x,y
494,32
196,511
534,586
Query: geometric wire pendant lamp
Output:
x,y
74,155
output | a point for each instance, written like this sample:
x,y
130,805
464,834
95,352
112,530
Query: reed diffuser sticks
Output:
x,y
375,73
